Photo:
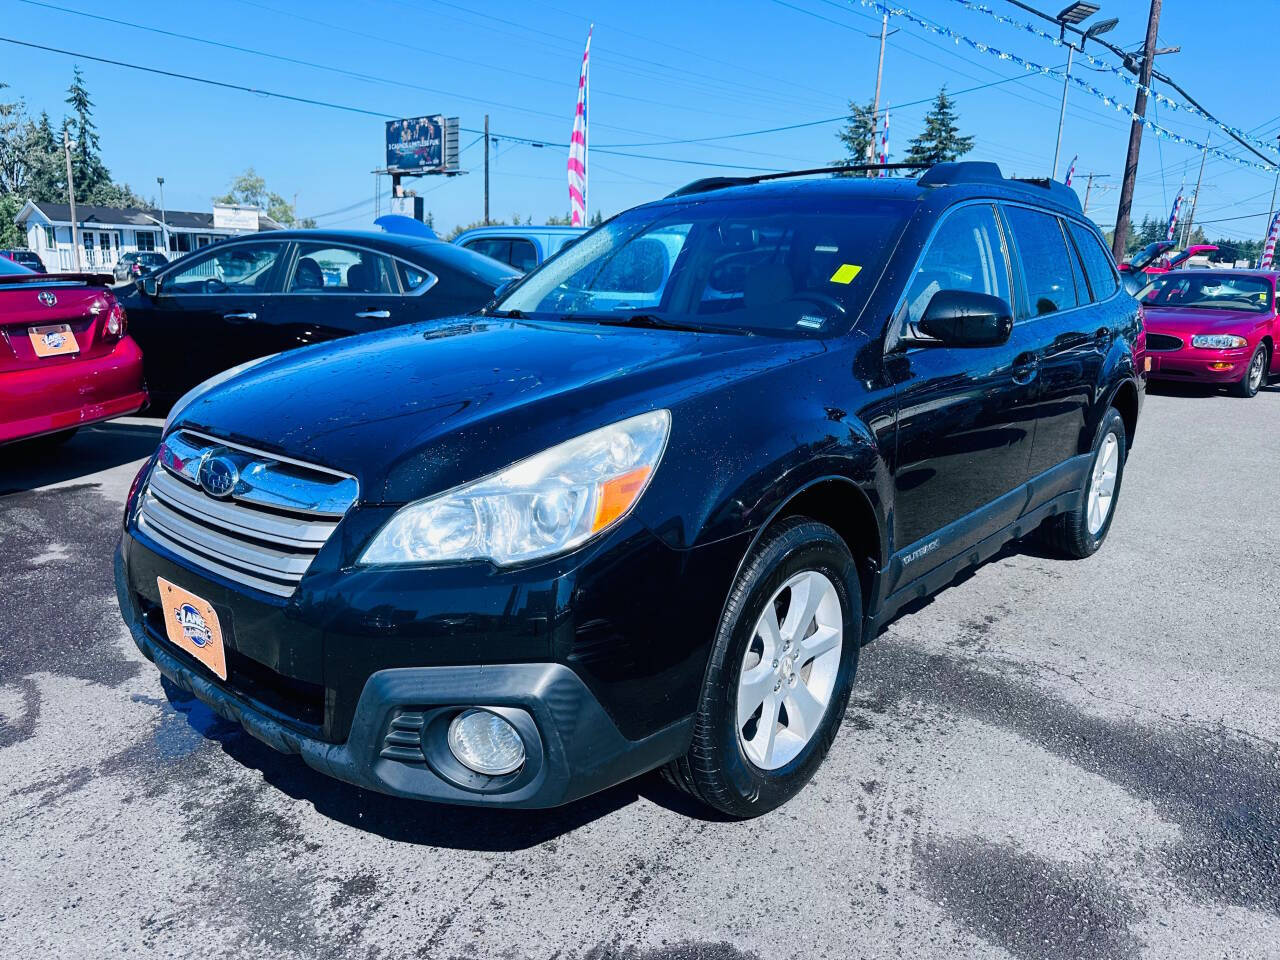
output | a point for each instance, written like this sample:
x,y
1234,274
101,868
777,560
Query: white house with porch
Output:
x,y
106,233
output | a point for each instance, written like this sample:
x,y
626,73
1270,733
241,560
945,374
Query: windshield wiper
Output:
x,y
649,321
506,314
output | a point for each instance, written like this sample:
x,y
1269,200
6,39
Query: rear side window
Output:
x,y
495,247
323,268
1046,261
412,278
1102,275
524,255
967,253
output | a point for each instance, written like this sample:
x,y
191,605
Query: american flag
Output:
x,y
1173,215
1071,170
1269,251
884,143
578,147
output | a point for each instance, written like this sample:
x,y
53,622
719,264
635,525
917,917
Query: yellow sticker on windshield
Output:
x,y
846,273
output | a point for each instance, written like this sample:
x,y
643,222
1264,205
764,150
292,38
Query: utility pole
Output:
x,y
1135,132
1062,111
1088,187
164,219
1272,213
875,103
1195,197
486,169
71,196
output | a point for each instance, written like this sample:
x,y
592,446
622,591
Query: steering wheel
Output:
x,y
823,299
214,285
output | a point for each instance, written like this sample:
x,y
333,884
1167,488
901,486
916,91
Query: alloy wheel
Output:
x,y
1102,488
789,670
1256,369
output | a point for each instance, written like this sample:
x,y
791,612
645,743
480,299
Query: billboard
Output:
x,y
422,145
235,216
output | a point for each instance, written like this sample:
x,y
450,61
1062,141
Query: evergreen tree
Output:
x,y
45,175
858,135
940,141
90,175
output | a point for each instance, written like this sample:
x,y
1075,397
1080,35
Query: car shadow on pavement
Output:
x,y
416,821
29,464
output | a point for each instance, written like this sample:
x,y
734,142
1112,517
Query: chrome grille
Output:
x,y
265,532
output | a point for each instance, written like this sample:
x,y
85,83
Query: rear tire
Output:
x,y
799,664
1079,532
1255,374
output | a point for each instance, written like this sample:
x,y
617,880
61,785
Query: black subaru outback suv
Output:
x,y
645,509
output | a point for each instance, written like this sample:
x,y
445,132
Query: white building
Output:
x,y
108,232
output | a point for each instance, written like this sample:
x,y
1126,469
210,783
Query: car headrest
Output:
x,y
308,275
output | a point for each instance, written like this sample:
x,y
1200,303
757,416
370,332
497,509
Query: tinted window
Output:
x,y
494,247
413,278
1046,261
967,253
524,255
798,263
326,268
8,266
237,268
1097,263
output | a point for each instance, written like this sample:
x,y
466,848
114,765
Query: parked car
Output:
x,y
1213,326
522,247
28,258
252,296
534,553
138,264
66,358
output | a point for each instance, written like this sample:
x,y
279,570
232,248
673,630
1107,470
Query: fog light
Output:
x,y
486,743
1220,365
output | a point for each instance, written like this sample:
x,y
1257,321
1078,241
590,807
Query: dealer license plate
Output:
x,y
53,341
192,625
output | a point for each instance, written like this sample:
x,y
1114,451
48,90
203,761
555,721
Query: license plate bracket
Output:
x,y
55,340
192,625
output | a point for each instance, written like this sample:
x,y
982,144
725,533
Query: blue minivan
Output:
x,y
522,247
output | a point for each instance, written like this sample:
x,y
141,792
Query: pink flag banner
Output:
x,y
577,166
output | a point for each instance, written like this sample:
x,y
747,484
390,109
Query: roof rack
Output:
x,y
720,183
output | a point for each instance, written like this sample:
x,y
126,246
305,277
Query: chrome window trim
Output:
x,y
293,263
164,275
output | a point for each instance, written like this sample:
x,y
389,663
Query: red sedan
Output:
x,y
65,359
1213,326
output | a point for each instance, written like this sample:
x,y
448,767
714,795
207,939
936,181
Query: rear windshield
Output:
x,y
1208,291
795,266
7,266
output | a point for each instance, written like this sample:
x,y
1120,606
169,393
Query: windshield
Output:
x,y
799,265
1207,291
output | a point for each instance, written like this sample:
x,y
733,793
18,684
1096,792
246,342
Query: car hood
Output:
x,y
417,409
1191,321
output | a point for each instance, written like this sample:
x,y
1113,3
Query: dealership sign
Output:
x,y
422,145
235,216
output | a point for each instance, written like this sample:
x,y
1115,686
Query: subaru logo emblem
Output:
x,y
218,476
47,298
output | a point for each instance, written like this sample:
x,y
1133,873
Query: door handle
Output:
x,y
1025,367
373,314
239,317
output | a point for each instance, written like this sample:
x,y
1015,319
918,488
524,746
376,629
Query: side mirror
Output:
x,y
961,318
150,285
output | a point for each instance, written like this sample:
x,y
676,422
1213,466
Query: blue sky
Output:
x,y
661,71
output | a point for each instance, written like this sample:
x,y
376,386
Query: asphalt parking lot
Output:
x,y
1049,759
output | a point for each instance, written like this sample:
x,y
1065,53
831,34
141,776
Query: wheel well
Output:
x,y
1126,402
843,507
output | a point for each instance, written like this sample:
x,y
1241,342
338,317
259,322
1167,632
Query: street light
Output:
x,y
1072,16
164,219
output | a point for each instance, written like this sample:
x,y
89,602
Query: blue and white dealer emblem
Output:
x,y
218,476
193,626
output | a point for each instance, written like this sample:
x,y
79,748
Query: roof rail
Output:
x,y
1057,190
966,171
720,183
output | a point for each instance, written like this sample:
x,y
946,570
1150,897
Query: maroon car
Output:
x,y
65,358
1213,326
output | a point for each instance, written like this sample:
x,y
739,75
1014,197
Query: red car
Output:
x,y
65,359
1213,326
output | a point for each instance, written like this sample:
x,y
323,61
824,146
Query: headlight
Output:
x,y
194,393
1218,341
547,504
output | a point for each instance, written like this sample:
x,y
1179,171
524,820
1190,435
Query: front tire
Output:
x,y
778,681
1255,375
1080,532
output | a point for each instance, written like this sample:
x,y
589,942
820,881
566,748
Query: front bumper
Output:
x,y
394,743
1197,365
66,395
